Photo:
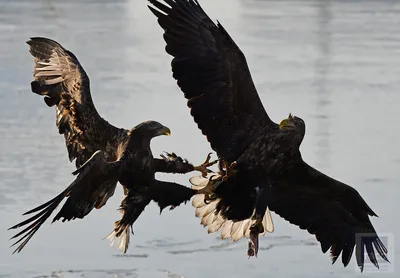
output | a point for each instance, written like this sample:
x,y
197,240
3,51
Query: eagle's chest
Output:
x,y
272,154
140,168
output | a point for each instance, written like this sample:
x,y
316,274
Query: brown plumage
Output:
x,y
263,164
104,154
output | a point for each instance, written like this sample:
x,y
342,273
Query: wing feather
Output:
x,y
94,185
331,210
213,74
59,77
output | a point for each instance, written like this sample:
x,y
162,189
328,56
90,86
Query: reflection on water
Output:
x,y
322,63
334,63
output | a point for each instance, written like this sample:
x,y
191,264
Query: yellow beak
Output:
x,y
167,131
284,123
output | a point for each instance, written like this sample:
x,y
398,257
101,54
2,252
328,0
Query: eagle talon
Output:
x,y
203,167
229,170
208,198
208,190
169,156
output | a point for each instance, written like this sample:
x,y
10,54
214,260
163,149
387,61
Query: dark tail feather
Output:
x,y
95,183
78,206
36,221
170,194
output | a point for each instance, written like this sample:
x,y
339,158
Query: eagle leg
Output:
x,y
256,229
203,167
253,245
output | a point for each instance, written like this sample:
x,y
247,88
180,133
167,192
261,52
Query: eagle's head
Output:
x,y
151,129
294,124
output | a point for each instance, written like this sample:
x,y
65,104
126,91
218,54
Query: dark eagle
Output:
x,y
103,153
262,164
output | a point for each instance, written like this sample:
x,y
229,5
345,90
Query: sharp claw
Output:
x,y
203,167
208,158
170,156
213,162
208,198
166,156
209,190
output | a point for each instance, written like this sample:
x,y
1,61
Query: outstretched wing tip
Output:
x,y
208,63
31,40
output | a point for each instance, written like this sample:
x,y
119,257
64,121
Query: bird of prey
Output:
x,y
104,154
261,161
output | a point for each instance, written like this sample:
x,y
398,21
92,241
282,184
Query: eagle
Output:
x,y
261,167
104,154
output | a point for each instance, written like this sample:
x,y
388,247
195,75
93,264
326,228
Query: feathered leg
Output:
x,y
131,208
259,227
164,193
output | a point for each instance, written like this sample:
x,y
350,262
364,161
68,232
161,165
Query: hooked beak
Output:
x,y
286,123
165,131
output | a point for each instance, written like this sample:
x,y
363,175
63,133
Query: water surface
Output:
x,y
334,63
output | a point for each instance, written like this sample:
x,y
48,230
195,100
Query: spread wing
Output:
x,y
59,77
94,185
213,74
331,210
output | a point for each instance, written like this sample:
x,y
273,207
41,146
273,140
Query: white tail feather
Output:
x,y
267,222
123,240
214,221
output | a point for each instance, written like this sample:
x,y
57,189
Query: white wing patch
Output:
x,y
214,221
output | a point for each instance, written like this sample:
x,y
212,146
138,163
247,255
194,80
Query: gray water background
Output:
x,y
334,63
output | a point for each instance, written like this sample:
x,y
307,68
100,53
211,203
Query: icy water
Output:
x,y
334,63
